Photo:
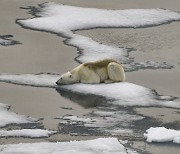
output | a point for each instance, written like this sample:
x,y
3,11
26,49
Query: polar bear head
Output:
x,y
67,78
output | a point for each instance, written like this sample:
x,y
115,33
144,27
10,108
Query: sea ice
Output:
x,y
59,18
123,93
38,80
64,20
6,41
117,123
93,51
33,133
8,117
109,118
99,145
120,93
162,134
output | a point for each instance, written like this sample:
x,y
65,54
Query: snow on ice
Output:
x,y
33,133
116,96
8,117
39,80
162,134
121,93
64,20
99,145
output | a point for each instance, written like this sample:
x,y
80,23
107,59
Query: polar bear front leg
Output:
x,y
90,77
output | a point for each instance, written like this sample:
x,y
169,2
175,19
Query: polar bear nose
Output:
x,y
58,82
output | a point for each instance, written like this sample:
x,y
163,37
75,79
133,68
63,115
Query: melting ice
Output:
x,y
110,117
63,20
99,145
162,134
121,93
33,133
6,41
8,117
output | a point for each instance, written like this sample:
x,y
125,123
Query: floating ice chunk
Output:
x,y
26,133
162,134
8,117
102,121
116,95
120,93
6,41
77,119
63,20
100,146
98,124
93,51
123,93
39,80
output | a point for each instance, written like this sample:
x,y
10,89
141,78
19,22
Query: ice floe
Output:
x,y
99,145
8,117
93,51
117,123
64,20
124,94
113,102
121,93
6,41
106,119
38,80
33,133
162,134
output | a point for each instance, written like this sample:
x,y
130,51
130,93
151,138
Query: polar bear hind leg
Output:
x,y
115,73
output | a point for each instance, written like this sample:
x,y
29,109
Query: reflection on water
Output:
x,y
86,101
105,119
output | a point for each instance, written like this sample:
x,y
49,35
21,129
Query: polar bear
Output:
x,y
107,71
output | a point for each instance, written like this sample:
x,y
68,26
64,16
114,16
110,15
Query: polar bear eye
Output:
x,y
70,76
61,78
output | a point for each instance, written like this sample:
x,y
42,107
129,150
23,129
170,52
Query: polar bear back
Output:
x,y
99,64
103,70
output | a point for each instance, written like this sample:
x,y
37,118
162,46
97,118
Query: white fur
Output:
x,y
112,72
